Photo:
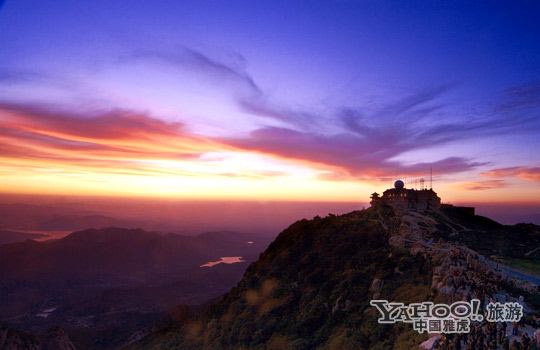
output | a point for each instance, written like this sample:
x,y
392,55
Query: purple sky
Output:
x,y
271,94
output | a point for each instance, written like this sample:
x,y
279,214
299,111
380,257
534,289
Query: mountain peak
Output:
x,y
311,288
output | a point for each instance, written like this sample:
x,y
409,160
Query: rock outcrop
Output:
x,y
55,338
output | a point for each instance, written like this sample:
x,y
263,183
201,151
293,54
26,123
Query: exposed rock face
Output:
x,y
460,273
397,241
376,286
55,339
11,339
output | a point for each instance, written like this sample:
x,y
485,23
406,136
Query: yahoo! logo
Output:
x,y
443,318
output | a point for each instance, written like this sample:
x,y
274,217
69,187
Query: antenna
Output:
x,y
431,178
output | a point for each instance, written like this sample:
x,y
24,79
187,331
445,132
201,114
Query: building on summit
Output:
x,y
420,200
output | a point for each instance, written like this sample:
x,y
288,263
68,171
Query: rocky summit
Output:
x,y
311,289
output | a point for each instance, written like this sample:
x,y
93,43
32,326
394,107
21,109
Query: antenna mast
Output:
x,y
431,178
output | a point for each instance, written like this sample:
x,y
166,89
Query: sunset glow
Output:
x,y
160,101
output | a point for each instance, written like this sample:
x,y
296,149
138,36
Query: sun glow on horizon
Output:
x,y
314,110
201,187
136,155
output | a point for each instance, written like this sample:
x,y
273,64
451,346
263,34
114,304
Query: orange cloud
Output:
x,y
45,151
525,173
118,130
480,185
117,141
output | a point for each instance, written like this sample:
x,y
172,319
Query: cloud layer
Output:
x,y
114,141
339,143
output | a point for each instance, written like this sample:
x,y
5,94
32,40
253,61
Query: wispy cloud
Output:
x,y
196,61
119,130
355,142
113,141
523,172
34,138
18,75
481,185
365,145
520,97
350,155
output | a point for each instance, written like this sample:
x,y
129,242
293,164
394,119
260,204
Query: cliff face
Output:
x,y
311,288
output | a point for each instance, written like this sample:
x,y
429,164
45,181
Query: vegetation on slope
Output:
x,y
517,245
311,290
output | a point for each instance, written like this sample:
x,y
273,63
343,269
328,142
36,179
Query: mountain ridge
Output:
x,y
310,289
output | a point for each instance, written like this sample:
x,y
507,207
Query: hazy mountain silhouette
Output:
x,y
115,277
7,236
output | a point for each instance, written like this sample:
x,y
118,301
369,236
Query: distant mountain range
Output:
x,y
115,278
7,236
22,216
189,217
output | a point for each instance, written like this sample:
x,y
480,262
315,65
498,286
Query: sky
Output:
x,y
270,100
